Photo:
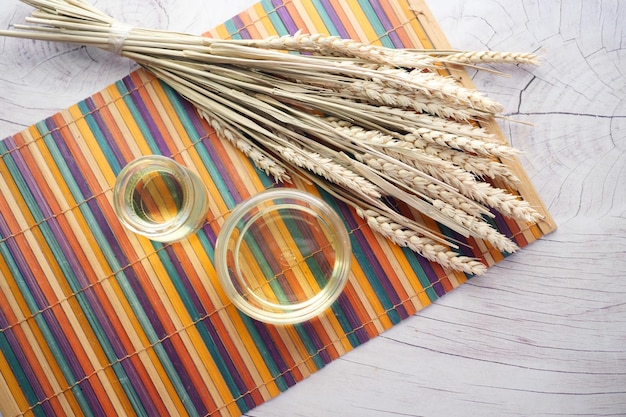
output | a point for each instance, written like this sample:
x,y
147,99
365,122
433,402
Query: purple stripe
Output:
x,y
264,244
78,373
220,165
145,306
27,276
373,264
67,157
225,356
434,280
210,233
182,373
138,386
353,319
284,16
241,28
146,117
181,276
501,224
334,17
4,320
349,311
33,187
31,376
384,20
104,130
320,348
272,348
207,323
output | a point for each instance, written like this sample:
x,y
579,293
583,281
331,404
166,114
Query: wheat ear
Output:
x,y
261,160
328,168
334,46
495,57
423,186
464,143
506,203
478,165
432,84
382,95
478,227
403,236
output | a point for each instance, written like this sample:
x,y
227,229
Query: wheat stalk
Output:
x,y
261,160
494,57
447,171
480,166
386,132
403,236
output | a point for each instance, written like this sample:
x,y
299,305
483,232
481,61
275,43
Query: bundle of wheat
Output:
x,y
366,123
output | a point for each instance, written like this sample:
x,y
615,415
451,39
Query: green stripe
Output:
x,y
372,278
132,108
323,14
278,24
277,375
421,275
104,144
375,22
233,31
194,135
109,255
20,376
336,307
176,279
313,351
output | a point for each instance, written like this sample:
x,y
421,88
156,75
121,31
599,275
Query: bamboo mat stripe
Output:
x,y
97,321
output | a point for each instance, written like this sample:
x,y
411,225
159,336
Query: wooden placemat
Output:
x,y
97,321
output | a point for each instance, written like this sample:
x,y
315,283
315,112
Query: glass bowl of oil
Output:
x,y
158,198
283,256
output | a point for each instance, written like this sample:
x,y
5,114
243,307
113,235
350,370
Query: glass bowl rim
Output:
x,y
323,299
121,190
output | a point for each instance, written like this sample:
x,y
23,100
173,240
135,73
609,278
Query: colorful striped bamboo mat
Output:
x,y
97,321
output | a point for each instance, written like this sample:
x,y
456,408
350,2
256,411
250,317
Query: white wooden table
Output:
x,y
542,333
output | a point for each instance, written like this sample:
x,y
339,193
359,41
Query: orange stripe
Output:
x,y
395,22
120,139
75,340
248,24
338,6
101,294
295,16
191,274
417,16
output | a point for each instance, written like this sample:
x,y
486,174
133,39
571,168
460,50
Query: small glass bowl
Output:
x,y
283,256
156,197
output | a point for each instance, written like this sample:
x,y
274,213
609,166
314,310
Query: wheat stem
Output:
x,y
369,146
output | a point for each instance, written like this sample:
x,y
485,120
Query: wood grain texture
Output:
x,y
543,333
